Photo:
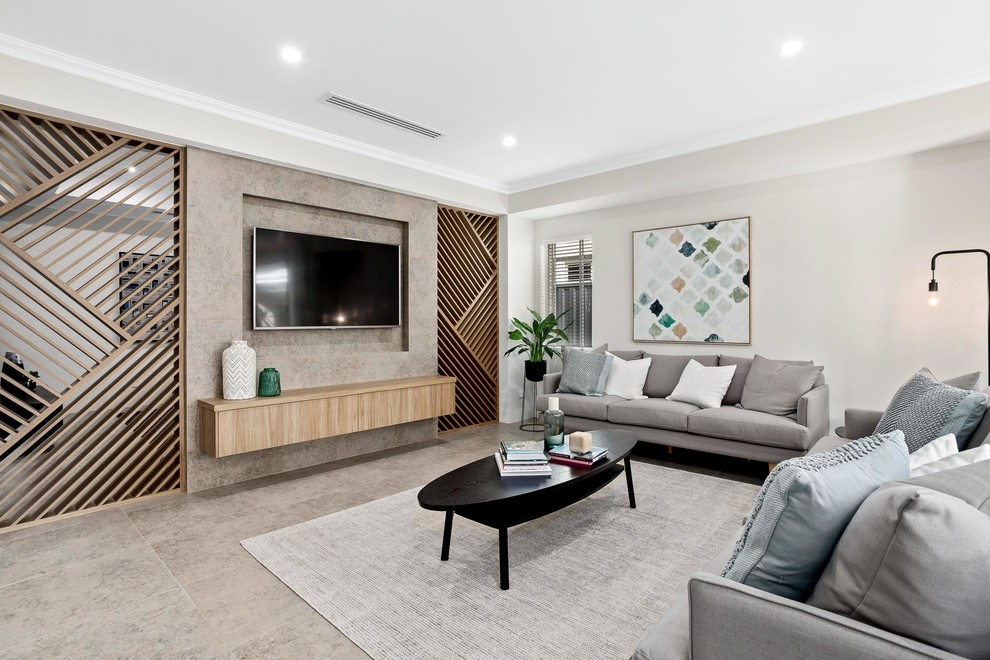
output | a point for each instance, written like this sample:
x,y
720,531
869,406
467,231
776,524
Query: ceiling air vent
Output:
x,y
368,111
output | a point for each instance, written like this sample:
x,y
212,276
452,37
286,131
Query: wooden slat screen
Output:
x,y
91,297
468,314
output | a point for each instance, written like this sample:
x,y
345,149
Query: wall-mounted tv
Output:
x,y
311,281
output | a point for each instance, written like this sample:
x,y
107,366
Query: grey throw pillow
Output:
x,y
966,381
914,561
743,364
665,372
585,373
925,409
803,508
774,386
628,355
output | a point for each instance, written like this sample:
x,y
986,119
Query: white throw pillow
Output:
x,y
936,449
627,377
703,386
959,459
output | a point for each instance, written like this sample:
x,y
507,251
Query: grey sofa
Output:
x,y
728,430
717,618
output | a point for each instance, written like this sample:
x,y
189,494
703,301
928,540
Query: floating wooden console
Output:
x,y
237,427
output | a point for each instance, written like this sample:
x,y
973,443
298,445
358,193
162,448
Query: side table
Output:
x,y
534,426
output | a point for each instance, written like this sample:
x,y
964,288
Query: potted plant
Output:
x,y
538,341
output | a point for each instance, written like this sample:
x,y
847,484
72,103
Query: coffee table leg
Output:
x,y
448,523
503,557
629,484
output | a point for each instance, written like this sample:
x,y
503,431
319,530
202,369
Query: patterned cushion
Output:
x,y
585,373
925,409
803,508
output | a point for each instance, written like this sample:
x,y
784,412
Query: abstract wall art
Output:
x,y
691,283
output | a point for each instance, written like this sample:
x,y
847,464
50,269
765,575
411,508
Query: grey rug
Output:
x,y
586,582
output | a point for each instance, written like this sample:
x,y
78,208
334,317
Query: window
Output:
x,y
567,277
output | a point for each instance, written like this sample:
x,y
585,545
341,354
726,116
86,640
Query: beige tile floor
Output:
x,y
168,578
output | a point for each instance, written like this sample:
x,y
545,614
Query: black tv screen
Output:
x,y
310,281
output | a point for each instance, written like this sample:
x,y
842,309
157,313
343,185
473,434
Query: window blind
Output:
x,y
567,286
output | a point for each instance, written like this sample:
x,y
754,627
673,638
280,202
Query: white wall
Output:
x,y
840,268
518,291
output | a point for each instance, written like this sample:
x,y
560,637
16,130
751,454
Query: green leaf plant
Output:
x,y
539,339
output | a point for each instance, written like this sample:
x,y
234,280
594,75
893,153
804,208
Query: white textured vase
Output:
x,y
240,371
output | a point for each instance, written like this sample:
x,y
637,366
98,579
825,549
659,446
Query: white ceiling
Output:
x,y
585,86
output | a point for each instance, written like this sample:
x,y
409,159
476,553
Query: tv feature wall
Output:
x,y
228,198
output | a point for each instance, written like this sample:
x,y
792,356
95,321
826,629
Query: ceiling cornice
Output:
x,y
971,78
56,60
47,57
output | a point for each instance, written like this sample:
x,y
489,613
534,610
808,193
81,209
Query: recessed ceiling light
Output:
x,y
291,55
791,48
509,141
132,169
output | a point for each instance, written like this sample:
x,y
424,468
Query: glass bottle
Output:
x,y
553,424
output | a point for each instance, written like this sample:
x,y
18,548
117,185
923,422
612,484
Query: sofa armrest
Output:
x,y
812,411
731,620
550,382
861,423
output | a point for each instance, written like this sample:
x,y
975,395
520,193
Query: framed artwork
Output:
x,y
691,283
147,285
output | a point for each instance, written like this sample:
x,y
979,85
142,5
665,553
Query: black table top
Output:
x,y
480,482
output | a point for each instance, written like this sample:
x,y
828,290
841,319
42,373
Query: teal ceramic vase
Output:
x,y
269,383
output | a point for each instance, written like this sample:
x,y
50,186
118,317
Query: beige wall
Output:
x,y
840,268
227,198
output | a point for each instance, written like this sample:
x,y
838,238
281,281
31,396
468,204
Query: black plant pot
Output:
x,y
535,371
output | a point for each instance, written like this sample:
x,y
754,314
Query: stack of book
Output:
x,y
522,458
565,456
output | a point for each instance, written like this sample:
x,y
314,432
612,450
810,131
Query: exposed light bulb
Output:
x,y
132,169
791,48
291,55
933,291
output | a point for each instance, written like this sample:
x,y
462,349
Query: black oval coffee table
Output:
x,y
477,492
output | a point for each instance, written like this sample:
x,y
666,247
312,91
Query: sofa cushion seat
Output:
x,y
751,426
655,413
578,405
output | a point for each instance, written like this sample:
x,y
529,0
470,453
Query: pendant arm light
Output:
x,y
933,288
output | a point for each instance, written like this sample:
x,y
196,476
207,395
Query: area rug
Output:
x,y
586,582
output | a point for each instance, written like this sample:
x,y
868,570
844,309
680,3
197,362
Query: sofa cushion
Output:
x,y
628,355
655,413
803,508
752,426
585,373
970,483
982,432
925,409
665,372
567,350
935,450
774,386
914,561
577,405
702,386
626,377
734,394
966,381
967,457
